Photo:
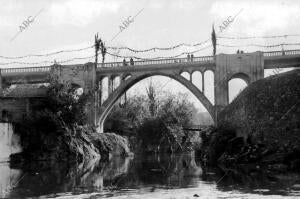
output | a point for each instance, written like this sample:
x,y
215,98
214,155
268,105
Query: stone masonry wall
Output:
x,y
267,111
15,109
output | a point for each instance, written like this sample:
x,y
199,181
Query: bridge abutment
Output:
x,y
91,88
247,66
83,76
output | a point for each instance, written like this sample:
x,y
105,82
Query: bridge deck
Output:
x,y
282,59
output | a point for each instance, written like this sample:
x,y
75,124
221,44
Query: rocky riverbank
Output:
x,y
223,147
78,144
57,130
261,126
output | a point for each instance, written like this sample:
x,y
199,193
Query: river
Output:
x,y
165,176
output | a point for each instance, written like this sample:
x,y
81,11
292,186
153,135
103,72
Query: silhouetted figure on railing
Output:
x,y
242,52
192,57
282,49
124,62
188,57
283,52
238,52
131,61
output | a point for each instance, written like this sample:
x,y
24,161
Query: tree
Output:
x,y
99,45
125,119
214,40
152,99
155,120
55,124
66,102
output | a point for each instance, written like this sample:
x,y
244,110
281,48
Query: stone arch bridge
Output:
x,y
248,66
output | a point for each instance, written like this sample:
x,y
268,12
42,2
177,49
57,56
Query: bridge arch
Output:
x,y
197,76
127,84
242,76
236,84
209,85
186,75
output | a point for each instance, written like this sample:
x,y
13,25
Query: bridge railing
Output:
x,y
281,53
26,70
205,59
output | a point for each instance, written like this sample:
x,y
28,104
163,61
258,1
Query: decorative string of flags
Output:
x,y
261,46
156,58
159,48
261,37
149,50
47,54
47,62
109,47
151,58
154,48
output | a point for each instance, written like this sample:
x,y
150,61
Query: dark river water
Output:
x,y
167,176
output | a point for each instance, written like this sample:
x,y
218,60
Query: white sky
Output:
x,y
69,24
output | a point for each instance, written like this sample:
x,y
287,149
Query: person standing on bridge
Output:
x,y
188,57
131,61
192,57
124,62
282,50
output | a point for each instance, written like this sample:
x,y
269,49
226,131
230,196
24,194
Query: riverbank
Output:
x,y
81,143
57,129
261,126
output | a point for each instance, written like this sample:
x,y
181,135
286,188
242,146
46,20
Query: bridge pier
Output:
x,y
83,76
100,92
91,89
247,66
110,85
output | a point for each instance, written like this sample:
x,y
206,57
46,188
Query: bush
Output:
x,y
153,121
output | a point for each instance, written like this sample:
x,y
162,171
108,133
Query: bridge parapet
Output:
x,y
281,53
204,59
26,70
281,59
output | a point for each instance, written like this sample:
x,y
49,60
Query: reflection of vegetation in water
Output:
x,y
162,170
170,170
44,179
147,173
